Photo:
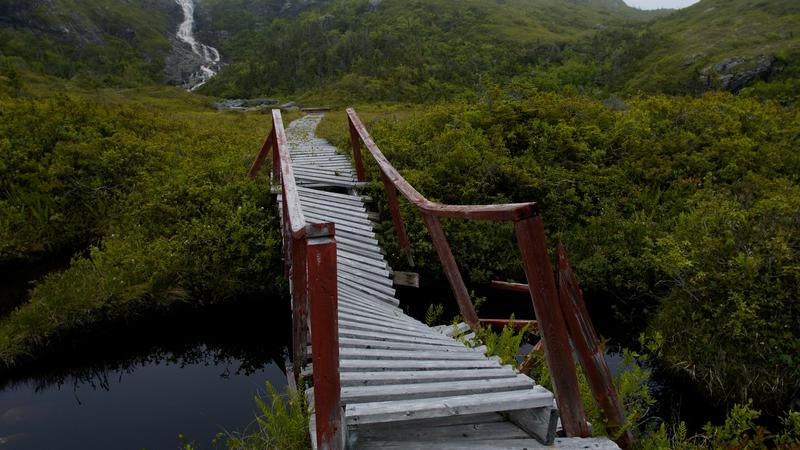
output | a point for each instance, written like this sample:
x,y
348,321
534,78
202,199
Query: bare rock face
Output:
x,y
734,74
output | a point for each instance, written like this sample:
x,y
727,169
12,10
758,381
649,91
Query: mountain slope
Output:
x,y
398,49
114,40
720,44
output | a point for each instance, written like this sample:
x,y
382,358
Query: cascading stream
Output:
x,y
209,56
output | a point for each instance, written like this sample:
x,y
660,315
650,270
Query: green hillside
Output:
x,y
719,44
397,49
109,40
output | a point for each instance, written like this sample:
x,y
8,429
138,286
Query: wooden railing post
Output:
x,y
299,288
355,141
276,159
587,346
465,306
536,262
262,155
397,219
323,300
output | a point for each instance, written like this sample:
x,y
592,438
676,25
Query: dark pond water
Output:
x,y
140,385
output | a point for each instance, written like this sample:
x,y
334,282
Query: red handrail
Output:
x,y
529,230
310,262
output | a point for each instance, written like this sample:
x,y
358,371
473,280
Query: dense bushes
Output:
x,y
681,212
161,194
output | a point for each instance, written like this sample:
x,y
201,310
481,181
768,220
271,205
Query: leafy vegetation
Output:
x,y
283,424
678,210
106,41
160,192
345,50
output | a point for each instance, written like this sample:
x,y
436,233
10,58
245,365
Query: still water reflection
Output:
x,y
143,393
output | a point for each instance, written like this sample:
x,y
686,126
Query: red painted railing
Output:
x,y
529,230
560,311
310,262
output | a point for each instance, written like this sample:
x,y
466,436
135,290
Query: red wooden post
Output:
x,y
323,298
286,234
276,159
587,346
355,141
262,154
397,219
450,267
536,262
299,306
515,287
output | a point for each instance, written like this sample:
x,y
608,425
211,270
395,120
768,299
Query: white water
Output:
x,y
209,55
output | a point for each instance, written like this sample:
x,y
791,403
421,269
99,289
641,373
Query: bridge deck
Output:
x,y
404,384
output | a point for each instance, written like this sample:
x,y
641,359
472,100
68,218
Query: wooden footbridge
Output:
x,y
383,380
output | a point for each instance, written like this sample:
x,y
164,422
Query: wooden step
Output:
x,y
398,411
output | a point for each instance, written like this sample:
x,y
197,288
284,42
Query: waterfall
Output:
x,y
208,56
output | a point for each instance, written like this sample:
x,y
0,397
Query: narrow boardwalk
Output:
x,y
406,385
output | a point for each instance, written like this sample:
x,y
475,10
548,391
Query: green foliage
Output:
x,y
282,425
434,314
99,41
157,184
681,211
394,49
506,344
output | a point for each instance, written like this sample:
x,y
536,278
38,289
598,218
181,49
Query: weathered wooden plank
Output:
x,y
370,298
327,203
399,392
378,279
371,284
370,304
344,197
360,365
372,260
348,285
371,343
392,337
378,320
494,444
391,328
540,423
355,265
417,354
361,413
469,419
402,432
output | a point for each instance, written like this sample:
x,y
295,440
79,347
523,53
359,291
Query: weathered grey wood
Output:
x,y
358,334
371,260
356,288
330,195
436,422
539,423
364,394
367,274
355,265
360,365
388,328
495,444
361,413
380,354
483,430
374,344
367,297
372,317
410,279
